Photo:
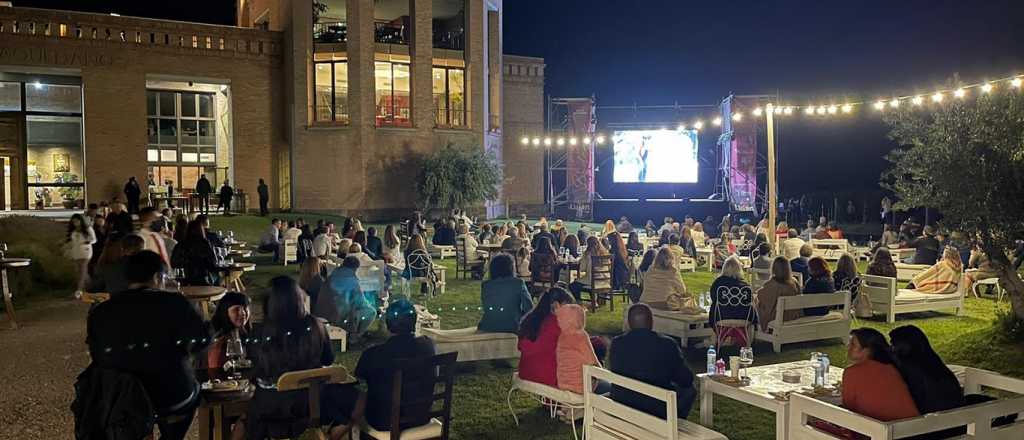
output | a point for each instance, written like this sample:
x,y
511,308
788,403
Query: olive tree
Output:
x,y
458,177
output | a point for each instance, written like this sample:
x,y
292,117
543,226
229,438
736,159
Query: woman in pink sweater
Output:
x,y
574,348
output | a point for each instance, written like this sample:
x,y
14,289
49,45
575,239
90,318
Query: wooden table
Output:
x,y
216,406
10,263
488,249
898,254
709,256
239,253
233,275
203,295
764,380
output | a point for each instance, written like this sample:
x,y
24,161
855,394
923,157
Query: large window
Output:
x,y
182,139
392,94
331,100
449,24
449,86
392,24
329,21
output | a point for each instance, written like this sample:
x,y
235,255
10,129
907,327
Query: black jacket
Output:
x,y
927,250
226,193
196,256
650,358
203,186
111,405
376,367
818,285
263,191
374,248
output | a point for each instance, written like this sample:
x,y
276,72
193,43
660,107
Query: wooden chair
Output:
x,y
599,280
465,264
290,251
606,419
401,407
542,272
312,380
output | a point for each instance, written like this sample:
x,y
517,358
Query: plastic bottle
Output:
x,y
825,363
712,357
720,368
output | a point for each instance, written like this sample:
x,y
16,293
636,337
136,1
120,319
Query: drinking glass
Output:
x,y
746,359
234,352
3,251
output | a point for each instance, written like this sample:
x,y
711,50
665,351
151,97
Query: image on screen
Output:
x,y
655,156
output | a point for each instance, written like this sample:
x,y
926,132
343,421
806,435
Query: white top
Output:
x,y
698,238
471,245
80,245
272,236
791,248
322,245
395,252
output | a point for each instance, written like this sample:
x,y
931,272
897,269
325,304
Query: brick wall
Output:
x,y
523,114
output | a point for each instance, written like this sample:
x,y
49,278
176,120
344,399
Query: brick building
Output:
x,y
331,102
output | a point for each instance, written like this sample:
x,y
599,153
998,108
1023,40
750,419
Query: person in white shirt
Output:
x,y
809,231
154,242
271,239
293,232
393,247
791,247
697,234
80,240
323,243
471,244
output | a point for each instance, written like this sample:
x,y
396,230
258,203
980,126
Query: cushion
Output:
x,y
539,389
678,316
908,296
468,334
834,315
428,431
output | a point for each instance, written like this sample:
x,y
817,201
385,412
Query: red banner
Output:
x,y
580,157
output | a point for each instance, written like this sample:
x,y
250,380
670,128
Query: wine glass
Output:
x,y
234,352
746,359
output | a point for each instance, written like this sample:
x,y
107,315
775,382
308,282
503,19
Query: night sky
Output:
x,y
659,52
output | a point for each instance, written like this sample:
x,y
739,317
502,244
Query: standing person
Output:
x,y
264,194
151,335
132,192
80,238
226,193
203,188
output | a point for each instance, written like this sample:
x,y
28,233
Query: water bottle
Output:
x,y
818,381
825,363
712,357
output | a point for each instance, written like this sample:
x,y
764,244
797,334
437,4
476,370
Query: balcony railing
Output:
x,y
324,114
391,34
445,118
330,32
495,121
452,40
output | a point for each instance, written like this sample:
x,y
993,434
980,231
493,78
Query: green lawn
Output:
x,y
480,410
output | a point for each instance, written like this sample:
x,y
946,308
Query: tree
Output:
x,y
458,177
966,159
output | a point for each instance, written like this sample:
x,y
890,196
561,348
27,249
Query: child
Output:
x,y
574,349
231,316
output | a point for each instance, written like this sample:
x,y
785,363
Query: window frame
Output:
x,y
389,121
448,98
334,119
180,148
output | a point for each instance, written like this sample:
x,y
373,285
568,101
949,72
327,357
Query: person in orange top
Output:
x,y
872,386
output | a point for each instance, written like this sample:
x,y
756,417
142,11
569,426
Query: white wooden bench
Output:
x,y
474,345
888,299
906,271
554,398
606,419
440,251
830,248
835,324
681,325
977,418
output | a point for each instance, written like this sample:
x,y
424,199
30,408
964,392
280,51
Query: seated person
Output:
x,y
444,233
821,281
376,367
846,277
872,386
799,264
541,234
312,277
833,231
544,264
881,264
808,233
351,310
292,232
662,280
573,350
504,297
624,226
230,321
594,249
983,269
763,259
195,254
271,239
513,242
926,247
941,277
724,303
165,320
571,245
538,338
109,275
888,236
791,246
485,233
465,242
633,244
931,383
780,284
293,340
646,356
697,233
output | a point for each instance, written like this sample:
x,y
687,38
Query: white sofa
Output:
x,y
977,418
830,249
906,271
887,298
473,345
606,419
681,325
835,324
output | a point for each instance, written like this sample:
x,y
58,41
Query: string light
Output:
x,y
536,141
788,110
778,110
880,105
822,110
809,110
847,108
832,109
960,93
572,141
698,125
586,140
937,97
717,121
918,100
757,111
560,142
600,140
894,103
737,116
986,88
547,142
525,140
1016,82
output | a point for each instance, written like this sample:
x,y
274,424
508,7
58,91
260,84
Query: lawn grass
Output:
x,y
480,410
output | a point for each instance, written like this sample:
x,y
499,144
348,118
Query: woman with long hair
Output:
x,y
609,227
359,237
80,237
544,255
620,261
560,235
780,284
538,338
572,245
523,234
662,280
881,264
196,256
312,276
291,339
633,243
845,277
872,386
393,246
180,227
942,277
820,282
932,384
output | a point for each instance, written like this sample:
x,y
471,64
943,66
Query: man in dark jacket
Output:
x,y
374,245
535,241
799,264
203,188
151,335
651,358
226,193
927,249
264,194
132,192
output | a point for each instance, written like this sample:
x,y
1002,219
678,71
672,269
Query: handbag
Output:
x,y
862,307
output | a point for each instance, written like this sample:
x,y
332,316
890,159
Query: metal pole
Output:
x,y
772,203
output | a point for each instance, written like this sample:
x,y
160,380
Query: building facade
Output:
x,y
331,102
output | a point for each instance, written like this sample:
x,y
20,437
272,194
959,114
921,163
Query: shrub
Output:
x,y
458,177
1011,327
43,241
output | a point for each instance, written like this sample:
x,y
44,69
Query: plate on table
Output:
x,y
223,386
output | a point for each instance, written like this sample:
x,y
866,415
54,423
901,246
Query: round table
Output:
x,y
203,295
233,274
10,263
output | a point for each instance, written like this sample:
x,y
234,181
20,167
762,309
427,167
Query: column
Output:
x,y
422,51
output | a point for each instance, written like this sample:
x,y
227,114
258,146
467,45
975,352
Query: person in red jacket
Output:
x,y
538,338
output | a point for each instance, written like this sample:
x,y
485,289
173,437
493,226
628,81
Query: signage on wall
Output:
x,y
39,55
61,163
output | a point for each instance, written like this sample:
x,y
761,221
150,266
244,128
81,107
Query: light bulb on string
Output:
x,y
894,103
737,116
698,125
560,142
987,87
778,110
717,121
822,110
809,110
536,141
847,108
525,140
788,110
832,109
880,105
1016,82
960,93
757,111
937,97
547,142
572,141
600,140
918,100
586,140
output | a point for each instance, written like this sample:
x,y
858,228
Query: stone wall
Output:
x,y
523,115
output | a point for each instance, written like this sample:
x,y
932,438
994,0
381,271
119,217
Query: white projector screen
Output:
x,y
655,156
